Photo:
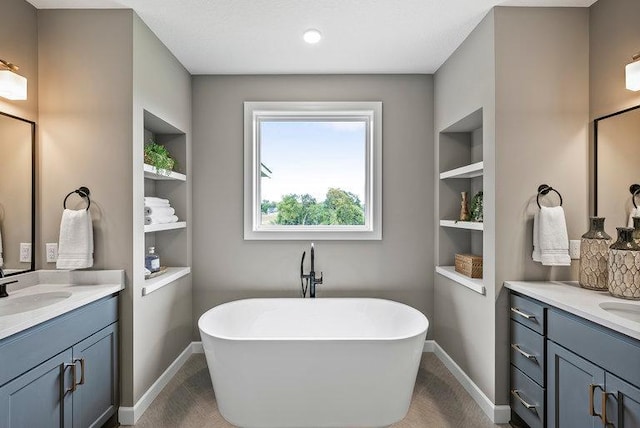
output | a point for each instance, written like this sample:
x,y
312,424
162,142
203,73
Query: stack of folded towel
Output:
x,y
550,237
158,211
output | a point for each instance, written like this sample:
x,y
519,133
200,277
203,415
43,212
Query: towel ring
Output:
x,y
83,192
543,189
635,191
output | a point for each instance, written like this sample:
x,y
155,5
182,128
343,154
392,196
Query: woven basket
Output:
x,y
469,265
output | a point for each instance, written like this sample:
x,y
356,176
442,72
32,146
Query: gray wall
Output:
x,y
162,321
531,78
225,267
614,38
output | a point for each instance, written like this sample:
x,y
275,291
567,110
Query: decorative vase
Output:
x,y
636,230
476,207
594,254
624,266
464,207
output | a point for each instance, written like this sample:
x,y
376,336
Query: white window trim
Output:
x,y
253,112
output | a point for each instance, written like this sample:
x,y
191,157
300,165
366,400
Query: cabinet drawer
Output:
x,y
527,398
527,352
614,352
528,312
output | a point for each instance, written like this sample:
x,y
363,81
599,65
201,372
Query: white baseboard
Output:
x,y
429,346
197,347
499,414
130,415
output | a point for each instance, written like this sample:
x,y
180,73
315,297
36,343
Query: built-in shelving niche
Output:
x,y
461,168
170,240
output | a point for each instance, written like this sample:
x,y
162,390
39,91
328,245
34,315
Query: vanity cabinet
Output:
x,y
590,374
62,373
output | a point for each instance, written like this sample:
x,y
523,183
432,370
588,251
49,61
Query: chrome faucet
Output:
x,y
311,280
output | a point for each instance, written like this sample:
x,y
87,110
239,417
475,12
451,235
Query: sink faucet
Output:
x,y
311,280
3,286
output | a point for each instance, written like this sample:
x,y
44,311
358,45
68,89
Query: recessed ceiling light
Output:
x,y
312,36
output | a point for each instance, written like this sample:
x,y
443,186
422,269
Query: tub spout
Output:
x,y
310,278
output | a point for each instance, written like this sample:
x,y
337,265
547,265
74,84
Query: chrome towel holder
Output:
x,y
544,189
83,192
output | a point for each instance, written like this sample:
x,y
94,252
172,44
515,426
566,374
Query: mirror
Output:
x,y
616,166
17,193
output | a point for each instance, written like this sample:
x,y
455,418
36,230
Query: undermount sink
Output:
x,y
625,310
16,305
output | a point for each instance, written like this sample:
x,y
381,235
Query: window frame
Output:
x,y
257,111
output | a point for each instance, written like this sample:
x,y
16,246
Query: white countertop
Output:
x,y
570,297
84,286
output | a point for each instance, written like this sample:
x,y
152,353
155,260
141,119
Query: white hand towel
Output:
x,y
75,245
536,241
160,220
553,237
156,202
635,212
159,211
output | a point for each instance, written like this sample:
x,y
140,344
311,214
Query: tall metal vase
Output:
x,y
594,253
624,266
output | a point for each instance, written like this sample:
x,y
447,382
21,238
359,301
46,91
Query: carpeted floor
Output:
x,y
439,401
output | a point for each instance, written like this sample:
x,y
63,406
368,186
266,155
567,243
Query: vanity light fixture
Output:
x,y
632,73
12,85
312,36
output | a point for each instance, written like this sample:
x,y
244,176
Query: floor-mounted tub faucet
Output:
x,y
310,278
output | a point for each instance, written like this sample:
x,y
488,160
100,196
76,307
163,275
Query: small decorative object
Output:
x,y
476,207
594,254
469,265
152,260
624,266
464,207
636,230
158,156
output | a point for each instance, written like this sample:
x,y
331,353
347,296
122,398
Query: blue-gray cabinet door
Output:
x,y
623,403
96,397
571,382
37,398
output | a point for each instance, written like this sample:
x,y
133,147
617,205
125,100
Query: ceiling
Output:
x,y
265,36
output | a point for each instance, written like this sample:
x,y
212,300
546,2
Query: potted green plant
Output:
x,y
159,157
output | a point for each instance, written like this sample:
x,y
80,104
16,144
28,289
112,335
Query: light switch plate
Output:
x,y
52,251
574,249
25,252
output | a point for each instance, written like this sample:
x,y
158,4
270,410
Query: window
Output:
x,y
313,170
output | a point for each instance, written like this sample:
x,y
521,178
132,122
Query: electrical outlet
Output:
x,y
52,251
25,252
574,249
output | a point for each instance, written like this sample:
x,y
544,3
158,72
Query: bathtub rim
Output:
x,y
360,339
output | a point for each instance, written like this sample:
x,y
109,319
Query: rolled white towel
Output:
x,y
159,211
635,212
152,201
160,220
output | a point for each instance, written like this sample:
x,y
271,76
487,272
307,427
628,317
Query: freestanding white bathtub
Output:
x,y
313,362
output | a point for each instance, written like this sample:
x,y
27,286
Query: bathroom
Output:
x,y
540,76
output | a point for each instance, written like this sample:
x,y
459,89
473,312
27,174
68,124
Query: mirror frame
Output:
x,y
33,192
594,174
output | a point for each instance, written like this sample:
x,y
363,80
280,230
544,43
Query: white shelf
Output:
x,y
475,284
171,275
467,171
471,225
165,226
151,172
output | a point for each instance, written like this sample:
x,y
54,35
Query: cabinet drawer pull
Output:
x,y
604,409
532,407
523,314
74,379
525,354
592,390
81,361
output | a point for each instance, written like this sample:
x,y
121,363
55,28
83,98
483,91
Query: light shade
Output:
x,y
12,85
632,72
